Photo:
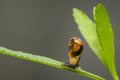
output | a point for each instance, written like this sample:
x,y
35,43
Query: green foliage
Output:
x,y
106,38
99,35
46,61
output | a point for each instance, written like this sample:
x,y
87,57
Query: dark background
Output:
x,y
44,27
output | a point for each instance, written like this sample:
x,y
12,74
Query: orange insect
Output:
x,y
75,52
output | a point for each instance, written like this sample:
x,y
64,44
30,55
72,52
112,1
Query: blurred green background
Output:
x,y
43,27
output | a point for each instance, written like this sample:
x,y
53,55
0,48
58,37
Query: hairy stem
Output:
x,y
46,61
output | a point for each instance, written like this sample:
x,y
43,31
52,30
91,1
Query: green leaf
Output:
x,y
99,35
46,61
88,30
106,38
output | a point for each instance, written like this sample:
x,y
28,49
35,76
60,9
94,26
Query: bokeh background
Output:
x,y
43,27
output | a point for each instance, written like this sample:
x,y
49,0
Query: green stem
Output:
x,y
46,61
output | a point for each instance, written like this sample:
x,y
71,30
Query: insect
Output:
x,y
75,52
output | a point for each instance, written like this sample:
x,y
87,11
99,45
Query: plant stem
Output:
x,y
46,61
